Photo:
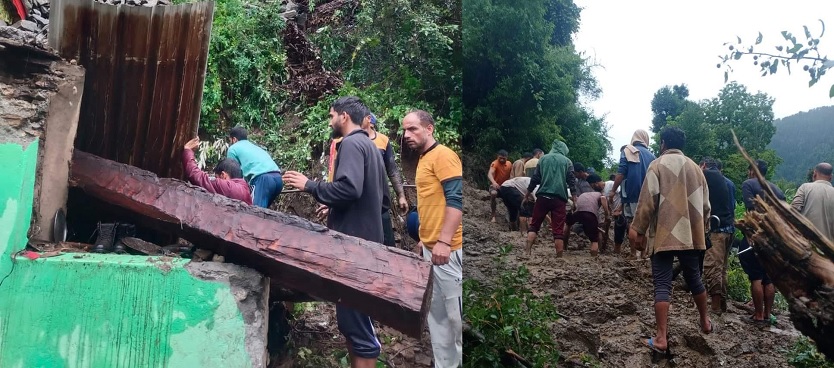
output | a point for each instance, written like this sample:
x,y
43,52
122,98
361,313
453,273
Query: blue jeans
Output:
x,y
266,188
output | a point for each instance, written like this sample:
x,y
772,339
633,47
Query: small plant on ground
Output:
x,y
804,354
510,317
738,285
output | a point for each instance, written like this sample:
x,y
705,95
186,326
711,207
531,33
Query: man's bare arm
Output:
x,y
491,176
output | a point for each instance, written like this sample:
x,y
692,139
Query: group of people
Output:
x,y
354,198
671,208
539,188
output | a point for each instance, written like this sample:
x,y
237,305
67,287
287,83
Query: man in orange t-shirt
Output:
x,y
439,181
499,172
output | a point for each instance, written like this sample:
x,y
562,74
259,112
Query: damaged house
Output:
x,y
96,100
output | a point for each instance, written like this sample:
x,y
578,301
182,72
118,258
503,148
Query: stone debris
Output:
x,y
36,24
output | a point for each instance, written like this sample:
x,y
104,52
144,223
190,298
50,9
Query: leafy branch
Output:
x,y
805,53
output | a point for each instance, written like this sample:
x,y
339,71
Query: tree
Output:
x,y
790,53
522,79
749,115
564,15
668,102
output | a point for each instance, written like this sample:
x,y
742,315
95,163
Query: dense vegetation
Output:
x,y
523,77
396,55
803,140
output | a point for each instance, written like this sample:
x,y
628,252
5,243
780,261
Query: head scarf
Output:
x,y
632,154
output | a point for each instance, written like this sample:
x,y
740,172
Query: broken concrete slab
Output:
x,y
59,136
40,98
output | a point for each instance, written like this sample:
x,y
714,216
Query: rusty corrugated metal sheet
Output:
x,y
145,74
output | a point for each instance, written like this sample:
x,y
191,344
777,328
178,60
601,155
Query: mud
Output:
x,y
609,302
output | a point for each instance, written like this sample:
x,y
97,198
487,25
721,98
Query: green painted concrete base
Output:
x,y
17,190
118,311
91,310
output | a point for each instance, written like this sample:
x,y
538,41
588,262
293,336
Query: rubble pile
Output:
x,y
31,30
36,24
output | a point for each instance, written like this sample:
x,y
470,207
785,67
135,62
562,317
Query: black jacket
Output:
x,y
355,194
751,188
720,199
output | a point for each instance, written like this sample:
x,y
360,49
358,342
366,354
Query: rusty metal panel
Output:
x,y
145,73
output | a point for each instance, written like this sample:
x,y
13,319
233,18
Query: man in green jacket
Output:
x,y
554,176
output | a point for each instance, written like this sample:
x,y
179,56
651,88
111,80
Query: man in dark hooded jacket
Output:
x,y
554,176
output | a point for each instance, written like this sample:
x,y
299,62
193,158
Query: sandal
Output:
x,y
711,327
658,354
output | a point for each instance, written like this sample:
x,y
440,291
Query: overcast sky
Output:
x,y
645,45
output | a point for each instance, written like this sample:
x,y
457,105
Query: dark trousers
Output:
x,y
690,261
620,229
512,198
750,264
266,188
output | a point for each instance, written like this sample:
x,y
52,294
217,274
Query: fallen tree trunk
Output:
x,y
390,285
799,260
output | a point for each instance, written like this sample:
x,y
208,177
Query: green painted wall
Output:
x,y
17,188
117,311
91,310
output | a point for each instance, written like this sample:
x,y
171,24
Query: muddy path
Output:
x,y
609,302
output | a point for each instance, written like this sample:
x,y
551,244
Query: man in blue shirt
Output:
x,y
259,170
634,163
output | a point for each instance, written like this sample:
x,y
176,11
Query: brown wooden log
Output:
x,y
390,285
799,260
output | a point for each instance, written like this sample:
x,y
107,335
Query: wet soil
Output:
x,y
609,302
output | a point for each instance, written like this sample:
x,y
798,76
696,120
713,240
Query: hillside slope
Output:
x,y
803,140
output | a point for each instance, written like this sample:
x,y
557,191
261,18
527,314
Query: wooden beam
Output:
x,y
390,285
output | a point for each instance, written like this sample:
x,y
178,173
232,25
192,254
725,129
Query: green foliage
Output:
x,y
803,140
246,60
211,153
749,115
523,78
401,55
667,103
804,354
788,52
397,55
564,15
738,285
510,316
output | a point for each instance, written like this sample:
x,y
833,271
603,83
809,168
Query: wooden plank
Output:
x,y
390,285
